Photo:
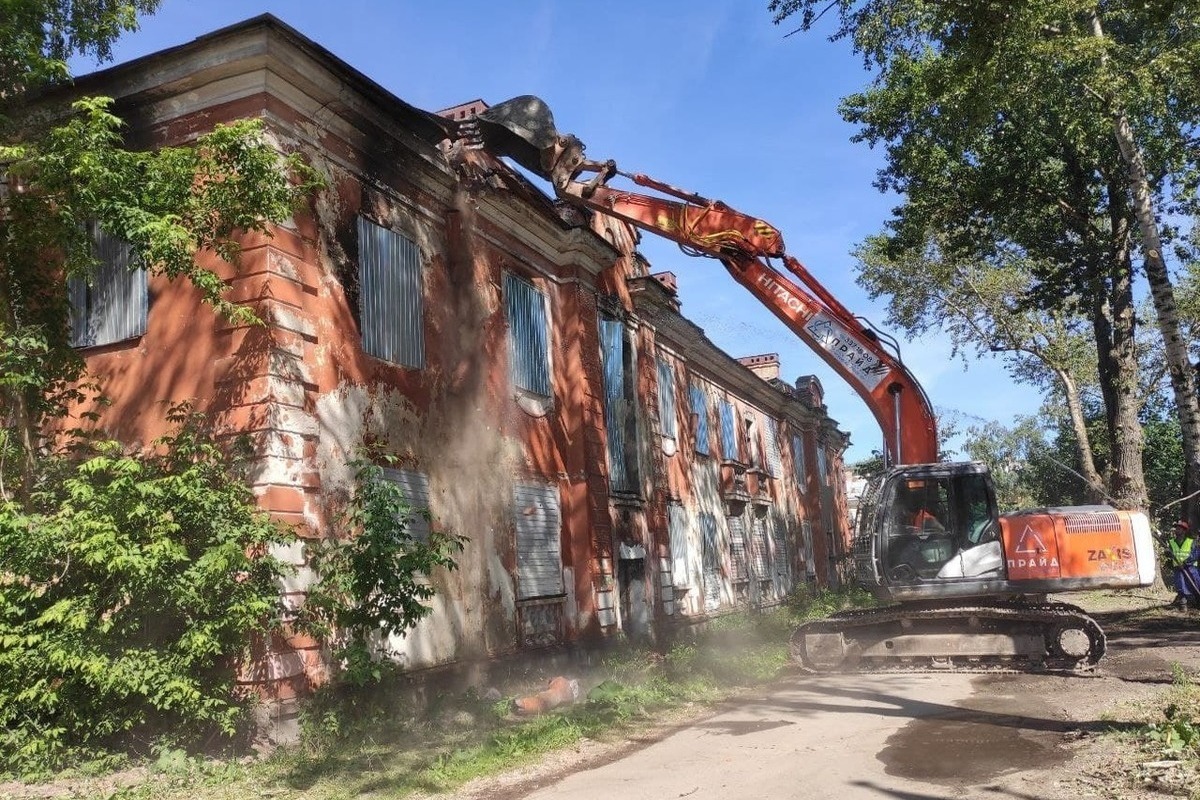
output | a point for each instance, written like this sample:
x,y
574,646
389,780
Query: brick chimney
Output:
x,y
667,279
464,110
765,366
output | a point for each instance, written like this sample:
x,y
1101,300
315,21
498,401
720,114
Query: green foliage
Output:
x,y
1016,141
374,582
37,37
1164,468
169,205
130,586
396,740
870,468
1177,734
804,604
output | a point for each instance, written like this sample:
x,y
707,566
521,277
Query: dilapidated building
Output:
x,y
610,468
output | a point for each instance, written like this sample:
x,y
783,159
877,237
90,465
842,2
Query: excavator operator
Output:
x,y
918,543
925,520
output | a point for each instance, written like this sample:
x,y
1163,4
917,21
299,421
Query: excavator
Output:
x,y
961,586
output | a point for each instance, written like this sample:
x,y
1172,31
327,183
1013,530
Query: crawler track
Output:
x,y
941,637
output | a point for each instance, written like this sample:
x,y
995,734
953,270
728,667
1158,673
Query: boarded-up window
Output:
x,y
391,295
753,443
712,560
680,548
539,541
666,398
782,562
798,459
822,466
415,487
810,563
737,549
774,459
729,448
112,307
758,528
700,410
620,418
528,336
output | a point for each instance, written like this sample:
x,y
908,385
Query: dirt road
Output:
x,y
918,737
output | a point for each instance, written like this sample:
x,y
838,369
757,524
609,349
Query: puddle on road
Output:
x,y
969,746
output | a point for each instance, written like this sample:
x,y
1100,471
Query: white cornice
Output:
x,y
265,56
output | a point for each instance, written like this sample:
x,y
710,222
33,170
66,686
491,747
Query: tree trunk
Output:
x,y
1162,292
1083,445
1120,377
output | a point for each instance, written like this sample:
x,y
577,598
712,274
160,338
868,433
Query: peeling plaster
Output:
x,y
470,466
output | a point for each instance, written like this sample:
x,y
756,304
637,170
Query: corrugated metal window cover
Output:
x,y
666,398
114,306
677,528
539,541
782,562
528,336
612,344
762,567
391,295
810,563
712,560
729,447
415,487
737,548
798,460
774,459
700,409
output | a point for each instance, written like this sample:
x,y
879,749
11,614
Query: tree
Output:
x,y
1027,103
73,171
37,37
976,304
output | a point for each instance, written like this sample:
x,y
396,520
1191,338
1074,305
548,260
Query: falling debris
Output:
x,y
561,692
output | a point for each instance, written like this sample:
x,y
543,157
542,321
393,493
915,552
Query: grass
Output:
x,y
360,742
1167,740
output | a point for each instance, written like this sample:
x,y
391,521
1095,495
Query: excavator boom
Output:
x,y
523,128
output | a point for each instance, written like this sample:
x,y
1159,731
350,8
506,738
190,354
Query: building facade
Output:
x,y
611,470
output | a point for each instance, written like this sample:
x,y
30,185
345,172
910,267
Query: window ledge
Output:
x,y
548,600
120,344
628,499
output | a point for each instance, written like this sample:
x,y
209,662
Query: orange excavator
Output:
x,y
961,586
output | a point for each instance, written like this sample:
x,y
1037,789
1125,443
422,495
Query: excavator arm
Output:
x,y
523,129
962,591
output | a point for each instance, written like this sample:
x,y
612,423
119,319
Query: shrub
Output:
x,y
130,585
374,583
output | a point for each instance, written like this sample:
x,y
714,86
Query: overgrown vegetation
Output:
x,y
373,583
1172,739
1177,734
130,585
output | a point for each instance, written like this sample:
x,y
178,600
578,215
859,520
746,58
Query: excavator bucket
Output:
x,y
523,129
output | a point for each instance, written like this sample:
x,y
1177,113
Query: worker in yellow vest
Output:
x,y
1182,556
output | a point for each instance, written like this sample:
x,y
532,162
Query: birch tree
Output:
x,y
1089,106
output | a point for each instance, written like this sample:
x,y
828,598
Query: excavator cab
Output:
x,y
933,532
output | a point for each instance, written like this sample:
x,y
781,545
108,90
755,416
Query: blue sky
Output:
x,y
707,95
